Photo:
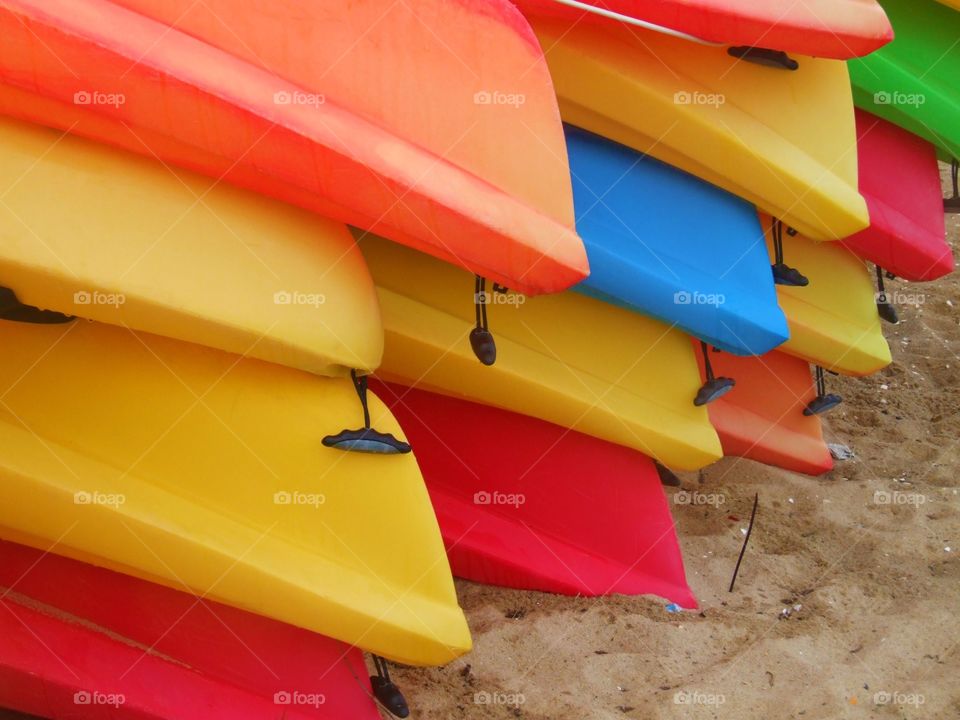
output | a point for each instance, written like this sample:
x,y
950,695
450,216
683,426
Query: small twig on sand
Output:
x,y
753,514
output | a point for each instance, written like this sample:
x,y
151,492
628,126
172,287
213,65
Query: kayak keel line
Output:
x,y
365,439
715,387
823,402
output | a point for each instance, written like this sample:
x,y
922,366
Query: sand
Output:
x,y
872,589
843,601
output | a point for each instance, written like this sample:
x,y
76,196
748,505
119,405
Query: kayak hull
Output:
x,y
713,282
833,321
762,417
784,141
212,476
912,82
825,28
900,179
486,197
564,358
77,636
134,244
526,504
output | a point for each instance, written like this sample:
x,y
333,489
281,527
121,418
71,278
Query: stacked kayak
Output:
x,y
763,418
833,321
307,308
260,515
213,660
912,82
783,140
136,245
558,511
312,104
900,179
566,359
824,28
710,279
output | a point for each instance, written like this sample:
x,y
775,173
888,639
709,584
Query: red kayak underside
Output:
x,y
900,179
762,417
75,639
839,29
523,503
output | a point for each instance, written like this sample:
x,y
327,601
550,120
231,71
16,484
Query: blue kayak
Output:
x,y
667,244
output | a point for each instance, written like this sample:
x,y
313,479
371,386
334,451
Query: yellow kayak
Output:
x,y
783,140
200,470
833,321
565,358
102,234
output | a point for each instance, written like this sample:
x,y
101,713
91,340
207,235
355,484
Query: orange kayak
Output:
x,y
393,120
762,417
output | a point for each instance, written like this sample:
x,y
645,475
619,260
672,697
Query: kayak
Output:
x,y
93,232
784,141
311,103
912,82
565,358
833,321
264,518
713,281
900,179
77,636
763,419
513,509
824,28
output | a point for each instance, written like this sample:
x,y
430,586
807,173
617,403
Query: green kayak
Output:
x,y
915,80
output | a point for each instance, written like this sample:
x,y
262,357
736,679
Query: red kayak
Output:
x,y
523,503
762,417
900,180
83,642
840,29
